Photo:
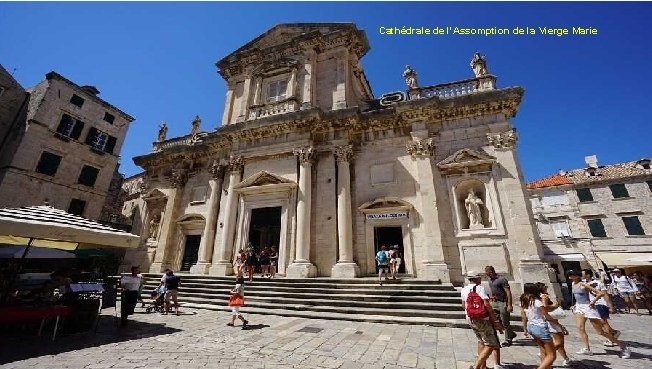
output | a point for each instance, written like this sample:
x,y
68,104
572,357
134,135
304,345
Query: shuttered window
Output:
x,y
618,190
77,207
633,226
70,127
596,228
48,163
88,176
77,101
584,194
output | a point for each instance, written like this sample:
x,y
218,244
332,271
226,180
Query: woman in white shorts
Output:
x,y
585,309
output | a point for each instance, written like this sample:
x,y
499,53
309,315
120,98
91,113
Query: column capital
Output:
x,y
178,177
343,153
503,140
235,163
305,154
421,148
216,169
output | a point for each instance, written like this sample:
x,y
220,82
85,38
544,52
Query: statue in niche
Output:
x,y
196,123
479,65
154,226
162,131
472,204
410,77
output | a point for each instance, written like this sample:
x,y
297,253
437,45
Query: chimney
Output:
x,y
591,161
91,90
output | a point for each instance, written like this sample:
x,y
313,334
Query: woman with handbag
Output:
x,y
557,330
236,301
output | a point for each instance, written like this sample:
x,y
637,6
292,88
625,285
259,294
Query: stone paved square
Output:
x,y
201,339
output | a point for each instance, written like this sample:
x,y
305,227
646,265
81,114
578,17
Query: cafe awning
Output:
x,y
626,259
45,226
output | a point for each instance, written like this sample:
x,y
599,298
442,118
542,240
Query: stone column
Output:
x,y
422,148
302,267
258,91
206,245
345,267
167,227
228,105
221,263
306,94
246,100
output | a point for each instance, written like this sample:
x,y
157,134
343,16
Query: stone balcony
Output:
x,y
274,108
454,89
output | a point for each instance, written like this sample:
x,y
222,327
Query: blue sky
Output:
x,y
584,94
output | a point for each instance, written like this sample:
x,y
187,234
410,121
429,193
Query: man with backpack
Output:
x,y
382,258
482,320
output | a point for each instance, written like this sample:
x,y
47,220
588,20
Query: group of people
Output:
x,y
250,261
389,261
132,287
624,290
488,314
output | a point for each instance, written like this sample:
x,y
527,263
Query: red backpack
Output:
x,y
475,308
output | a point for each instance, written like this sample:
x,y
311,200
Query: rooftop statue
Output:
x,y
479,65
196,123
162,131
410,77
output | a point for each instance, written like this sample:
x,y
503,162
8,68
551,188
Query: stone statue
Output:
x,y
154,227
162,131
472,204
479,65
410,77
196,123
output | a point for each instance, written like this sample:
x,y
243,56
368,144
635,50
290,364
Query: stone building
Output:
x,y
307,160
596,214
66,149
13,111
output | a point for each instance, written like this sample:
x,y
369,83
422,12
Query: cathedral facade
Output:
x,y
307,160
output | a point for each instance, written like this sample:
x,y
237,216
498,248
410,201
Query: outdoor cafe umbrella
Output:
x,y
45,226
17,252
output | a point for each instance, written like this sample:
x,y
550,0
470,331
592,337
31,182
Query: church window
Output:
x,y
277,90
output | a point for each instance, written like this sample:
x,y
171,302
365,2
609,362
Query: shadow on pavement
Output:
x,y
252,327
21,343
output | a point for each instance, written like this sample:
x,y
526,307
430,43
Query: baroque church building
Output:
x,y
309,161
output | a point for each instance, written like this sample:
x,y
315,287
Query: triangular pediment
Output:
x,y
262,178
386,203
466,157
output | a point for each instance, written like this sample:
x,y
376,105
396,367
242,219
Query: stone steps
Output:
x,y
404,301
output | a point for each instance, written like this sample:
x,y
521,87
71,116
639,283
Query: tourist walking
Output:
x,y
604,305
556,329
626,290
482,319
265,262
130,286
382,258
240,261
171,292
236,301
273,261
535,319
501,302
252,260
584,310
644,286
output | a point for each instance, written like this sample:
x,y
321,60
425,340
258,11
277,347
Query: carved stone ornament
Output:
x,y
503,140
178,177
479,65
425,147
235,163
343,153
143,186
216,169
305,154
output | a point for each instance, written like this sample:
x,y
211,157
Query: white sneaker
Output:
x,y
626,353
584,351
566,362
609,343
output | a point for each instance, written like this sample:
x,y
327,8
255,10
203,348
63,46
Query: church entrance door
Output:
x,y
392,237
191,252
265,228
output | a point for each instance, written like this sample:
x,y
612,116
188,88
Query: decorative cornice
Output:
x,y
305,154
343,153
235,163
503,140
425,147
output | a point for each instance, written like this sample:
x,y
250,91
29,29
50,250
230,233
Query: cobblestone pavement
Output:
x,y
199,339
